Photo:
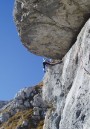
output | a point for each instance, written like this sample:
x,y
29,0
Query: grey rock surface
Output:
x,y
67,87
50,27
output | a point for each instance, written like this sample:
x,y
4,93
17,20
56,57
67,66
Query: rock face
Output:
x,y
49,27
67,87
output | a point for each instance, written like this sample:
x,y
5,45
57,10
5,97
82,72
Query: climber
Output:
x,y
50,62
46,62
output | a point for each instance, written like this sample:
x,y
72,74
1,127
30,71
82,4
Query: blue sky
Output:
x,y
18,67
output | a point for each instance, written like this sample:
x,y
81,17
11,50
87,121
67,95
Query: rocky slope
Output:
x,y
25,111
52,25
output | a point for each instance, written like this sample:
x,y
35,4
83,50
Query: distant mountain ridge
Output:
x,y
3,103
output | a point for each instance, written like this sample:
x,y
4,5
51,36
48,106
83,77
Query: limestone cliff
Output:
x,y
48,28
67,87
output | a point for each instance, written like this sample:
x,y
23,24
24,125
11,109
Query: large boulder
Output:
x,y
49,27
